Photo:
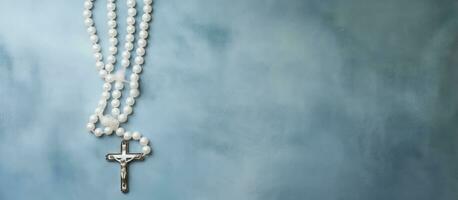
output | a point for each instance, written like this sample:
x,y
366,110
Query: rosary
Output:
x,y
113,86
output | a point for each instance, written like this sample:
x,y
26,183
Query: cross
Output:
x,y
124,158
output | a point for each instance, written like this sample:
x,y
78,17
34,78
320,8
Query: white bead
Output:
x,y
96,47
148,1
127,136
134,77
91,30
88,22
98,56
134,93
115,112
98,132
109,66
146,17
139,60
147,8
136,135
112,24
130,37
90,126
122,118
99,65
106,86
102,73
119,85
111,59
144,141
108,130
93,118
116,94
146,149
113,49
143,34
120,131
144,26
109,78
130,29
130,101
129,46
102,102
140,51
88,4
131,3
132,12
125,62
111,6
98,110
133,84
112,32
126,54
137,69
113,41
105,95
130,20
142,42
87,13
127,110
94,38
115,103
111,15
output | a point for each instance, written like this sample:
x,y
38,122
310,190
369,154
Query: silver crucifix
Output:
x,y
124,158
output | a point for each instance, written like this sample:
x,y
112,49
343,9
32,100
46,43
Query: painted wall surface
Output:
x,y
242,99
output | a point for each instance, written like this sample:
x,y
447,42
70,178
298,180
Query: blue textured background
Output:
x,y
243,99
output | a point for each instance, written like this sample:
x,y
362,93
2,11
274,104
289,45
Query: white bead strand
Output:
x,y
87,13
112,33
111,122
125,62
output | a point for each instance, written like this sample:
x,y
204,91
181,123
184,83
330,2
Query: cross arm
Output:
x,y
137,156
111,157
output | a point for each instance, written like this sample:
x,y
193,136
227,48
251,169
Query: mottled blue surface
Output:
x,y
243,99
